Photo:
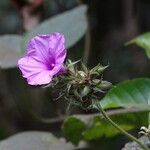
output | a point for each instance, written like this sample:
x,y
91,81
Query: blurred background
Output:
x,y
109,25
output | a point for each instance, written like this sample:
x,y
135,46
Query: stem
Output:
x,y
149,112
120,129
87,46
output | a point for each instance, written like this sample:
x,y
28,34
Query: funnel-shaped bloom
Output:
x,y
44,58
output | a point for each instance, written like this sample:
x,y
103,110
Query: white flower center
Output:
x,y
52,65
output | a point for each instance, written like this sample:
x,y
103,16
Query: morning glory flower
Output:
x,y
44,58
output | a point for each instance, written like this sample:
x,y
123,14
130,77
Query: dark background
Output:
x,y
111,23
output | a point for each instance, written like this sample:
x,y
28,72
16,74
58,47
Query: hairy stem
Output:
x,y
120,129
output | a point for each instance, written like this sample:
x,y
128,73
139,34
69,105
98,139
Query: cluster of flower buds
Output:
x,y
79,85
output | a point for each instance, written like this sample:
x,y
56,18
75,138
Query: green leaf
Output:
x,y
142,41
101,128
104,85
71,23
131,93
10,50
85,91
70,63
84,67
73,128
97,127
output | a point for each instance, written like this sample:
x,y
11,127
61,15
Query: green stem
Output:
x,y
120,129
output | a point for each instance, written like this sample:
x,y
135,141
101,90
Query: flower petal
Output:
x,y
61,57
35,72
57,43
46,48
38,48
45,58
40,79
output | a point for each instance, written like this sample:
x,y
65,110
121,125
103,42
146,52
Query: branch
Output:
x,y
86,117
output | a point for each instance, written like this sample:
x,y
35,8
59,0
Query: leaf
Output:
x,y
131,93
128,94
101,127
73,128
35,140
10,50
97,127
104,85
142,41
84,67
85,91
71,23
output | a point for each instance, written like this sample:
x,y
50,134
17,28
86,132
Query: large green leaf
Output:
x,y
101,128
73,128
131,93
96,127
10,50
142,41
71,23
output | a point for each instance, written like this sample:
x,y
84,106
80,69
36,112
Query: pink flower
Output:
x,y
44,59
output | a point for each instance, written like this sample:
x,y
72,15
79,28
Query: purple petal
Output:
x,y
57,43
45,57
62,70
47,48
61,57
35,72
40,79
